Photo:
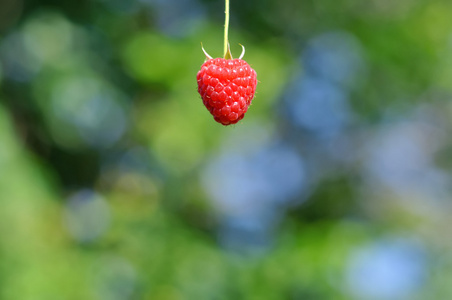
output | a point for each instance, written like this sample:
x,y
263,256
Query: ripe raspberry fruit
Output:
x,y
227,87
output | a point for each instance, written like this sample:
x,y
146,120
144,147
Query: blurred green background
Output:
x,y
116,183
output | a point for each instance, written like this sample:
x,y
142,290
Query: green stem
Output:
x,y
226,29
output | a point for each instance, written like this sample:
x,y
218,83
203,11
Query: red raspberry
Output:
x,y
226,87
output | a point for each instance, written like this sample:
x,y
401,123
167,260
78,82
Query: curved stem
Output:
x,y
226,28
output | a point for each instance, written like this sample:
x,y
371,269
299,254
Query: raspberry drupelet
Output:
x,y
227,87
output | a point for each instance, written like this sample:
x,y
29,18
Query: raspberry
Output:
x,y
227,87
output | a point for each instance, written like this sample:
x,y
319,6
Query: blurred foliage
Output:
x,y
116,183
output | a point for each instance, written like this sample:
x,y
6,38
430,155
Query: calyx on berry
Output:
x,y
228,54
